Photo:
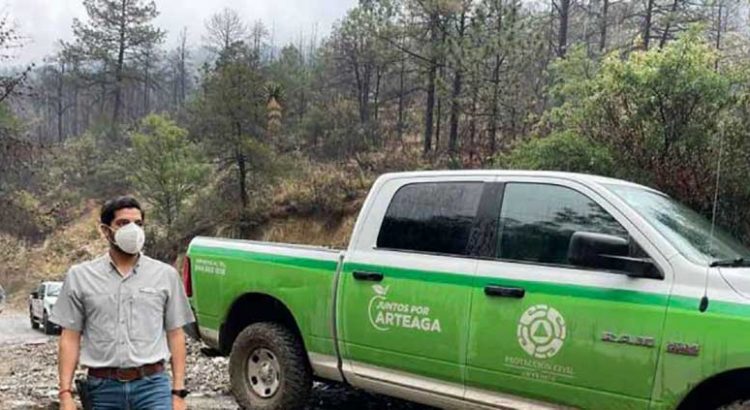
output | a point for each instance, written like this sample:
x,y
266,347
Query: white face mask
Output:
x,y
130,238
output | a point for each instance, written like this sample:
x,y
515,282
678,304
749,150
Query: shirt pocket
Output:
x,y
147,314
100,317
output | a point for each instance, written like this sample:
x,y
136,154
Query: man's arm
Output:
x,y
176,315
68,313
176,341
68,349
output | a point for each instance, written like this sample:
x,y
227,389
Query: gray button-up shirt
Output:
x,y
123,320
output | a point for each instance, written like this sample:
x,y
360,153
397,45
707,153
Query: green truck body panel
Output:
x,y
722,332
304,286
629,349
405,336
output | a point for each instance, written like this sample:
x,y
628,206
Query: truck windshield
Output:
x,y
54,290
688,231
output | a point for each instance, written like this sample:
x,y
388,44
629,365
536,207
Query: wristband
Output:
x,y
61,392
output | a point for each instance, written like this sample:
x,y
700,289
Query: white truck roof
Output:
x,y
583,178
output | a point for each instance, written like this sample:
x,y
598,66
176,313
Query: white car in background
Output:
x,y
41,301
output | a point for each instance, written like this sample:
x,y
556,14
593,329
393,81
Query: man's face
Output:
x,y
123,217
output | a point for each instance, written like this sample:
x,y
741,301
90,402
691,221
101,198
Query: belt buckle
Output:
x,y
119,375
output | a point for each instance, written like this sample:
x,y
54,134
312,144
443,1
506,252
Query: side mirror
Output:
x,y
608,252
35,295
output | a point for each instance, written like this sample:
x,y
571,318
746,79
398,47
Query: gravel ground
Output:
x,y
28,377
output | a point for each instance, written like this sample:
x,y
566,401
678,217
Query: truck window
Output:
x,y
54,289
538,220
684,228
431,217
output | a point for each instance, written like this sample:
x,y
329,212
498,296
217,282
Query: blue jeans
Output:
x,y
149,393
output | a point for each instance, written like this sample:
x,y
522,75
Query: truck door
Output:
x,y
544,328
405,287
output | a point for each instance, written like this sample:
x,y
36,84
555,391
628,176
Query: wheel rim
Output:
x,y
263,372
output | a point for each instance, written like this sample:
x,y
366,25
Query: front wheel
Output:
x,y
268,368
742,404
728,399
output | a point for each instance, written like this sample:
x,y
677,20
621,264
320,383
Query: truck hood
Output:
x,y
738,279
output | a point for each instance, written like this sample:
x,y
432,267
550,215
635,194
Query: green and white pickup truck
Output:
x,y
489,289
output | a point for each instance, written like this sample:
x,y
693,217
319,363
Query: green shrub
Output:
x,y
564,151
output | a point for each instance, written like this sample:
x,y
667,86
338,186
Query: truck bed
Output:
x,y
224,271
242,244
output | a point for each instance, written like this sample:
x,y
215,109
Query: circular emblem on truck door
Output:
x,y
541,331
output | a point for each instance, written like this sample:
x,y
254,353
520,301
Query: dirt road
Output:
x,y
28,376
15,328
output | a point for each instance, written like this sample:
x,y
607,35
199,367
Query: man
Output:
x,y
123,313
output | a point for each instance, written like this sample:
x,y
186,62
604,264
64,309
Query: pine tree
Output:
x,y
116,30
229,115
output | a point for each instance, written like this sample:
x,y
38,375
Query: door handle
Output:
x,y
504,292
370,276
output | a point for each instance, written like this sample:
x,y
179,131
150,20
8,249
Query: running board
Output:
x,y
433,392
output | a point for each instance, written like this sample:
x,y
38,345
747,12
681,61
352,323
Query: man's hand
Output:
x,y
178,403
67,402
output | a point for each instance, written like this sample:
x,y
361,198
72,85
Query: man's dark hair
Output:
x,y
109,208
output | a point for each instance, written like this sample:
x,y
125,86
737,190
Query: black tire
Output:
x,y
741,404
34,323
722,400
49,328
295,376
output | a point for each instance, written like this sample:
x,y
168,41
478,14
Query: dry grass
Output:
x,y
321,190
332,233
23,265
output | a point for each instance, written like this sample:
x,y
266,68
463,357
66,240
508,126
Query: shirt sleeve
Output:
x,y
178,312
68,311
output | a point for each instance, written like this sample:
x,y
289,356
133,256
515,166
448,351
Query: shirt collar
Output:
x,y
135,269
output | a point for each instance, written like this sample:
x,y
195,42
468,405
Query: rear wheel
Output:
x,y
49,328
268,368
34,324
